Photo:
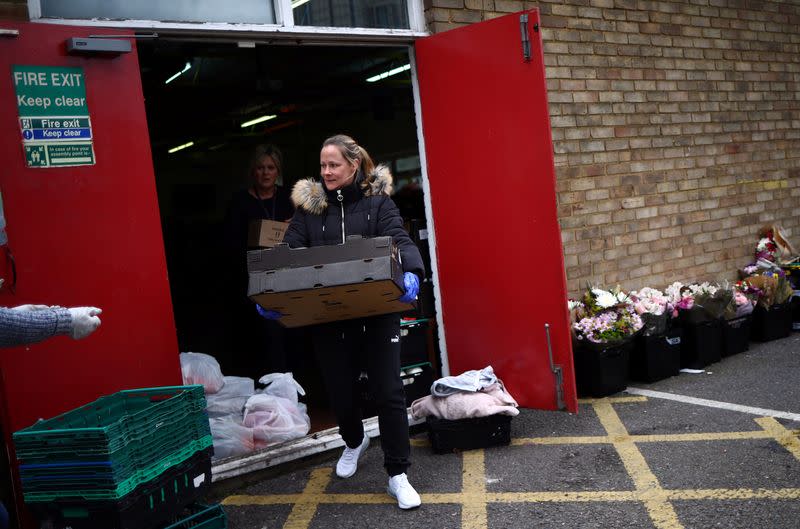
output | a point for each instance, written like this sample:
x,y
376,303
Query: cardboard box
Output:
x,y
266,233
362,277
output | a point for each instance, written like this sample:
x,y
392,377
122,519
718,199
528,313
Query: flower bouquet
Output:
x,y
657,353
697,309
651,305
737,319
605,317
772,317
604,325
743,300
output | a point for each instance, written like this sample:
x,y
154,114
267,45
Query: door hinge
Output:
x,y
526,41
558,374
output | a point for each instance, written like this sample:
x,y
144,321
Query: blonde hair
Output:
x,y
266,150
352,151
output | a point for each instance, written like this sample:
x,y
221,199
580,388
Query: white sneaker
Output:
x,y
348,462
401,490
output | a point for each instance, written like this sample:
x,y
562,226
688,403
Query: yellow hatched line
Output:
x,y
474,497
304,509
661,438
734,494
785,437
647,486
473,510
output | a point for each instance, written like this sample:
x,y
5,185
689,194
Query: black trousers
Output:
x,y
343,349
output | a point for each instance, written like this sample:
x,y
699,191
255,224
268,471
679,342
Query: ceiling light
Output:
x,y
389,73
298,3
186,67
181,147
259,120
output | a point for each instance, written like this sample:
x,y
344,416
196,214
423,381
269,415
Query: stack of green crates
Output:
x,y
104,451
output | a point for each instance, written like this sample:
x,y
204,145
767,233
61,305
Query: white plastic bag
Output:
x,y
282,385
275,419
230,437
199,368
230,400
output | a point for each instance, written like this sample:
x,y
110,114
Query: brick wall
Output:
x,y
676,130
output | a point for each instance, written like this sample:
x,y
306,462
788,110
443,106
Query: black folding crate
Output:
x,y
656,357
701,344
150,504
467,434
601,369
417,381
771,323
735,335
413,342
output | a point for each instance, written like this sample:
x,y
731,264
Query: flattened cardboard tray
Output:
x,y
360,278
356,248
327,304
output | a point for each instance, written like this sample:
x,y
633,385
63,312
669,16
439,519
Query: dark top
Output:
x,y
365,215
245,208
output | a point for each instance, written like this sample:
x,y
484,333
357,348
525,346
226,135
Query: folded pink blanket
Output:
x,y
491,400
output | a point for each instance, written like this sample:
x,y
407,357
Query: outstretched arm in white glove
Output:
x,y
84,321
28,324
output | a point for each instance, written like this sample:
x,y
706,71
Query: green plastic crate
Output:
x,y
202,517
168,437
111,422
119,490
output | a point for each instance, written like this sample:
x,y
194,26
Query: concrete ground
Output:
x,y
717,449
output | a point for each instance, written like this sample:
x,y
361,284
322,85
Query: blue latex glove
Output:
x,y
411,284
268,314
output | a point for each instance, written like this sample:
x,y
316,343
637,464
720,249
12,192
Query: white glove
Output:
x,y
84,321
30,308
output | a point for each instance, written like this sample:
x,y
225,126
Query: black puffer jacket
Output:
x,y
363,208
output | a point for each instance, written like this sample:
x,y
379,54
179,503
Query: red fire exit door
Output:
x,y
83,235
492,188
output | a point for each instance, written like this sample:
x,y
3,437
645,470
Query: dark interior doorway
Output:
x,y
313,92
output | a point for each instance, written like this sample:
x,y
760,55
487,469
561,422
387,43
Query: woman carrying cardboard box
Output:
x,y
353,197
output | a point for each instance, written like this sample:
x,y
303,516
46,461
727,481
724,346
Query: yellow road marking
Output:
x,y
474,497
660,510
587,440
473,510
305,508
659,438
735,494
781,434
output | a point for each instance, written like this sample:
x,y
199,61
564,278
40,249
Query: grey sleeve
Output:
x,y
24,327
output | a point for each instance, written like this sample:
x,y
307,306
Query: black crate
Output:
x,y
601,370
772,323
466,434
413,343
795,304
735,335
701,344
656,357
150,504
416,383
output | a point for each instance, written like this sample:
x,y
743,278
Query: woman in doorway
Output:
x,y
262,199
353,198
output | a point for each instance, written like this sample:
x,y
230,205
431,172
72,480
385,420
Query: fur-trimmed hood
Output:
x,y
311,196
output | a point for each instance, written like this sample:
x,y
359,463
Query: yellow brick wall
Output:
x,y
676,129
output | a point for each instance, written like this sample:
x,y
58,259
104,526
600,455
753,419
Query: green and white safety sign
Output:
x,y
53,116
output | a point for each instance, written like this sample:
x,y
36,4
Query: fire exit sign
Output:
x,y
53,116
